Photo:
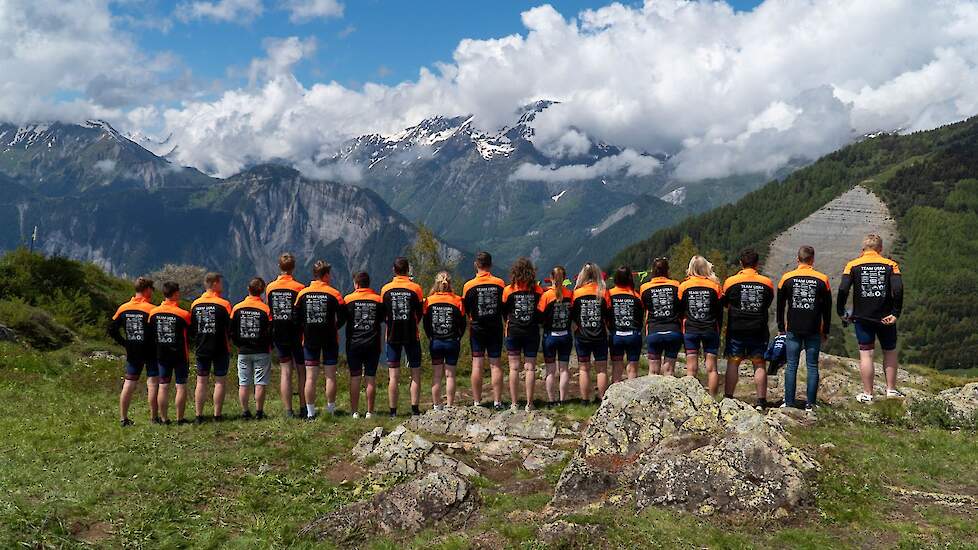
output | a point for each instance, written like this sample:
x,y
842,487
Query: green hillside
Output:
x,y
925,178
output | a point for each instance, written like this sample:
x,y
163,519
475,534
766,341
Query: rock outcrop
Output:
x,y
405,452
667,442
961,402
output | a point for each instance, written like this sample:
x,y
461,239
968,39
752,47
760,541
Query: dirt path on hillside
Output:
x,y
836,231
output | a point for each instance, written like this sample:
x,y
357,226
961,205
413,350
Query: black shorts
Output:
x,y
363,361
134,367
484,344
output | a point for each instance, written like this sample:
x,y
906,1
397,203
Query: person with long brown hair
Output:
x,y
590,313
625,324
444,323
663,320
555,310
520,299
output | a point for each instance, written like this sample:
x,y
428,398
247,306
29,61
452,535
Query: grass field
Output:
x,y
71,477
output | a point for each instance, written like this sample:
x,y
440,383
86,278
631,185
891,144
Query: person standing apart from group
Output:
x,y
702,313
444,323
520,301
748,296
251,333
403,304
364,314
663,320
483,300
130,329
877,302
804,315
281,295
590,313
555,317
209,328
319,309
627,318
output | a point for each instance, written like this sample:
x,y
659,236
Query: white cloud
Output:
x,y
628,162
105,165
228,11
283,54
304,10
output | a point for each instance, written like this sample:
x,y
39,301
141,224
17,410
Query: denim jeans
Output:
x,y
794,343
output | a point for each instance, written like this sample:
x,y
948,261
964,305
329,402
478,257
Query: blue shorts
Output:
x,y
412,350
290,352
330,354
363,361
586,349
444,352
220,365
178,372
486,344
709,340
135,368
867,332
527,344
746,347
557,347
664,344
626,345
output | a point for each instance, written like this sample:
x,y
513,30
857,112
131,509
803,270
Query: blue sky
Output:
x,y
383,41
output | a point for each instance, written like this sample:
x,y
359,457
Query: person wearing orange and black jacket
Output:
x,y
280,295
702,312
319,310
444,323
664,319
169,324
209,329
251,326
555,317
590,313
403,306
483,299
877,302
364,314
520,299
130,329
748,296
625,325
804,316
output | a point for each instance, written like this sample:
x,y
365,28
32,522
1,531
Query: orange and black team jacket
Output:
x,y
483,299
660,297
444,316
748,296
877,287
210,322
281,295
169,324
555,316
319,310
804,302
130,329
364,314
251,326
591,312
627,312
403,307
701,308
520,309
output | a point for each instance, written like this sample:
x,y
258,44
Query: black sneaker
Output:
x,y
157,420
246,415
761,404
260,415
309,417
289,414
199,420
218,418
166,422
302,414
415,410
498,407
125,422
182,422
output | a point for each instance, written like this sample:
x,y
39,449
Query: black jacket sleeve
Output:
x,y
896,288
115,331
235,327
826,307
782,304
341,315
843,295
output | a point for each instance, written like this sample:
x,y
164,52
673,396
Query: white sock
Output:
x,y
331,407
311,410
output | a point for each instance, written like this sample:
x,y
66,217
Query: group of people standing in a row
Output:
x,y
302,324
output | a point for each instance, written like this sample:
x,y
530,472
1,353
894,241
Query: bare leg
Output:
x,y
450,384
617,370
437,371
760,378
163,400
218,395
312,373
330,384
415,386
371,393
300,377
712,376
200,394
655,366
285,385
181,401
152,390
260,397
125,397
496,374
632,369
668,367
584,379
890,368
563,367
477,364
601,374
692,364
866,369
514,379
731,377
550,381
392,395
355,393
243,397
530,376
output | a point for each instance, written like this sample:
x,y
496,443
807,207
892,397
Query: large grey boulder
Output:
x,y
961,402
667,442
405,452
434,498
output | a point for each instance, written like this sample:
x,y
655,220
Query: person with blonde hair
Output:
x,y
590,312
520,299
700,295
555,311
444,323
877,302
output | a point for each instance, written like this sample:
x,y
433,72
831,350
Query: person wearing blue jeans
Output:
x,y
804,314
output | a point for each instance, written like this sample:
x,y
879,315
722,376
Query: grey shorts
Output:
x,y
254,369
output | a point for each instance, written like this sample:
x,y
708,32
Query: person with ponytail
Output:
x,y
520,299
625,324
703,313
590,312
444,323
555,310
664,319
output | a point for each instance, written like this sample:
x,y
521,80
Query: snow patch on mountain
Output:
x,y
677,196
614,217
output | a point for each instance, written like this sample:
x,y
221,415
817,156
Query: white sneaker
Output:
x,y
864,398
894,394
356,415
514,407
528,408
368,415
331,408
438,407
